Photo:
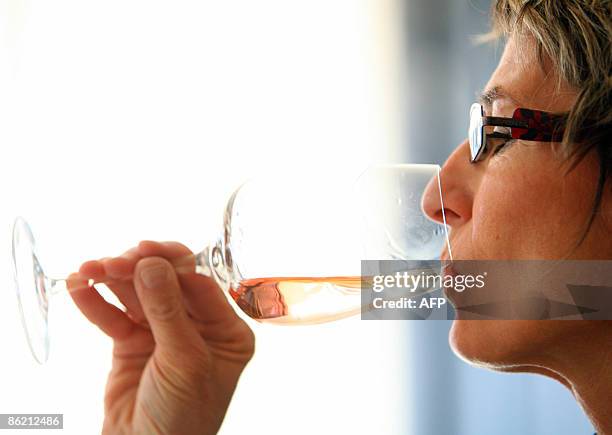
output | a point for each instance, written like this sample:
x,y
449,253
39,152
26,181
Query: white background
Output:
x,y
128,120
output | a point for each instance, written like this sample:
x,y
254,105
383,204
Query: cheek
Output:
x,y
527,208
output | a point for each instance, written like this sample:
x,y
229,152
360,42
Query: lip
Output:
x,y
447,269
445,254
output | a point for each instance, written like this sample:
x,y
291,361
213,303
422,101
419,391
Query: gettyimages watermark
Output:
x,y
486,290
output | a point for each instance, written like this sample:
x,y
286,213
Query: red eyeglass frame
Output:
x,y
525,124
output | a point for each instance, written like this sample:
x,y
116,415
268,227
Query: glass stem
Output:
x,y
212,262
57,286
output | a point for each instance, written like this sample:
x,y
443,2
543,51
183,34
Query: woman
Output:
x,y
511,199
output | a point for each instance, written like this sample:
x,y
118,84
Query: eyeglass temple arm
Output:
x,y
498,121
498,135
544,131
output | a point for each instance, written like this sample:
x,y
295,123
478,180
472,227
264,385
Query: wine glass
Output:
x,y
290,250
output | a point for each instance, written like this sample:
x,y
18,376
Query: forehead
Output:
x,y
533,85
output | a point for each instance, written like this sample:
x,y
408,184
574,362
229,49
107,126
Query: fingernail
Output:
x,y
154,277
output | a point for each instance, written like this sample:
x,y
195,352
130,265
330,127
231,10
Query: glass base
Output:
x,y
31,286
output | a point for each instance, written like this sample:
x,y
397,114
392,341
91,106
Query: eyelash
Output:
x,y
503,145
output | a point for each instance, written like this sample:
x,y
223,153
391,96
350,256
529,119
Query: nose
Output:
x,y
456,182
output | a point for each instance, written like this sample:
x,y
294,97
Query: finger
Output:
x,y
123,288
180,256
204,299
122,266
125,292
93,269
110,319
120,271
160,294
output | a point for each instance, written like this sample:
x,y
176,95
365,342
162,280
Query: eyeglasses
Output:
x,y
525,124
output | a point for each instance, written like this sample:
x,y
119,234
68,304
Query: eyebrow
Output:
x,y
489,96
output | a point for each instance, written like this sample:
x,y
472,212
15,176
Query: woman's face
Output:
x,y
520,204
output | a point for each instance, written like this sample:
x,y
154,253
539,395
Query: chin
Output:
x,y
502,344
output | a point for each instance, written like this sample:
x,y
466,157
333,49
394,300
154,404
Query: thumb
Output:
x,y
160,294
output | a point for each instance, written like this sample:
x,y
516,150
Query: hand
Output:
x,y
179,348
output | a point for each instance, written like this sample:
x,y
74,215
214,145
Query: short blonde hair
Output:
x,y
576,37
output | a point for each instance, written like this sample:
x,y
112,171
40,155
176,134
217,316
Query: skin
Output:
x,y
521,204
179,349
